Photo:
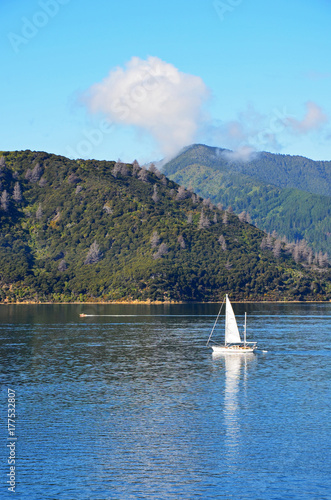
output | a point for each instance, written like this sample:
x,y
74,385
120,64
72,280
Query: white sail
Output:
x,y
231,328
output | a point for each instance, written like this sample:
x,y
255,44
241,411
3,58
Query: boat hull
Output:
x,y
235,349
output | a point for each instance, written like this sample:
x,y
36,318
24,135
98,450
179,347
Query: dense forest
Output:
x,y
76,230
287,194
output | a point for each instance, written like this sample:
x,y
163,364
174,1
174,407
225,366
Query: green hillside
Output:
x,y
288,194
95,230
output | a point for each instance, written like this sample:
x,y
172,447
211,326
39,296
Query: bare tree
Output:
x,y
155,195
5,201
94,254
296,253
269,242
17,194
163,250
204,221
277,248
163,180
73,178
195,199
155,239
190,218
143,175
62,265
116,169
154,170
39,212
263,245
181,241
2,162
207,203
182,194
215,220
36,173
135,168
222,242
219,206
225,218
107,208
242,216
310,258
322,259
28,174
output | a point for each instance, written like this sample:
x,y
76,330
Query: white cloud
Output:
x,y
314,119
242,154
249,131
154,96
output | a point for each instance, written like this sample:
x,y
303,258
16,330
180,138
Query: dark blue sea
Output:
x,y
128,403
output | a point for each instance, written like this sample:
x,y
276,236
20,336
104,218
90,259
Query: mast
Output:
x,y
245,329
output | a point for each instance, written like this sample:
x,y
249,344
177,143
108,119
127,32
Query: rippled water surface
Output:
x,y
128,403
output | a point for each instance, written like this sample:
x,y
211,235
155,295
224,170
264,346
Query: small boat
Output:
x,y
82,315
233,342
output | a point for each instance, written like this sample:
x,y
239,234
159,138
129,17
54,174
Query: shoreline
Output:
x,y
165,302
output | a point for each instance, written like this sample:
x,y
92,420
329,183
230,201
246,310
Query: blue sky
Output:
x,y
239,74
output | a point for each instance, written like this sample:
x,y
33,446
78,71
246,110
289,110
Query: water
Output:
x,y
131,405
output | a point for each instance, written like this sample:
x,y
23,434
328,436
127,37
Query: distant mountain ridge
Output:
x,y
289,194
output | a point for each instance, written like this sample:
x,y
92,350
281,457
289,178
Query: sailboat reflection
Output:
x,y
236,367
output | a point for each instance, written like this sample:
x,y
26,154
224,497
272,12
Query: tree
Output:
x,y
195,199
182,194
322,259
225,218
181,241
190,218
143,175
107,208
39,212
5,201
242,216
154,170
117,169
2,162
163,250
296,253
207,203
155,239
215,220
36,173
136,168
28,174
94,254
155,196
17,194
62,265
277,248
204,221
222,242
73,178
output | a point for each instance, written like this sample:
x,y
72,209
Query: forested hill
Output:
x,y
74,230
284,171
288,194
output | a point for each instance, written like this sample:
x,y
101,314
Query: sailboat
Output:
x,y
233,342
